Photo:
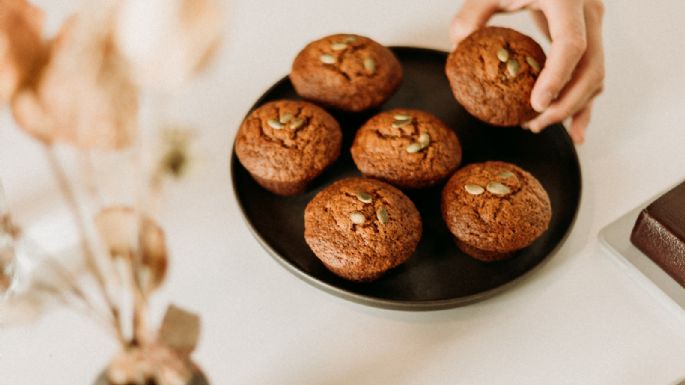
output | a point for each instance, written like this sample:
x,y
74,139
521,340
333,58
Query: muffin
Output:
x,y
360,228
285,144
408,148
492,73
348,72
494,209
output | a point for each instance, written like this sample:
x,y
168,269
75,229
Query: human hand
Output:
x,y
574,71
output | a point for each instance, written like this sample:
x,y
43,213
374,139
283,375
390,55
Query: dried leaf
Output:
x,y
21,46
168,41
8,234
175,157
45,287
117,225
82,95
180,330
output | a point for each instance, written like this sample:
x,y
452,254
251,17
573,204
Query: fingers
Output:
x,y
472,15
567,28
579,124
587,81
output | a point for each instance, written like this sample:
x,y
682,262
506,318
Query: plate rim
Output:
x,y
403,305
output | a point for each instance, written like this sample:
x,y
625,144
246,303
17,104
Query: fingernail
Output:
x,y
541,103
578,137
536,128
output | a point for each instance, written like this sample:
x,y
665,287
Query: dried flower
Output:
x,y
21,46
152,363
49,284
82,95
8,234
175,157
168,41
117,226
180,330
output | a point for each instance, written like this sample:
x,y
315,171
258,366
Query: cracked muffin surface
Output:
x,y
494,209
285,144
408,148
492,73
360,228
347,72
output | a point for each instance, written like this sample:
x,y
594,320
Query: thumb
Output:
x,y
472,15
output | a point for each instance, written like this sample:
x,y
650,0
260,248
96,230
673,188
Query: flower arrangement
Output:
x,y
81,91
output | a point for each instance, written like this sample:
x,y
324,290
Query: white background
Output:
x,y
578,320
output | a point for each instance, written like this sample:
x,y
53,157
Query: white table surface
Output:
x,y
580,319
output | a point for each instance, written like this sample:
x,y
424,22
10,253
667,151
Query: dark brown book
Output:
x,y
659,232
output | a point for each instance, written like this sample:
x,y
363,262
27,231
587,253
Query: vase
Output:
x,y
198,378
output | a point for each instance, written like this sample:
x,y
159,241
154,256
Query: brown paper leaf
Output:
x,y
21,46
82,95
180,330
116,225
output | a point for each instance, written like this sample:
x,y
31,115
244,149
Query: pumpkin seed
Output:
x,y
413,148
275,124
357,218
424,139
401,123
503,55
513,67
285,118
498,188
506,174
533,64
297,123
474,189
327,59
349,39
370,65
382,215
364,197
402,117
338,46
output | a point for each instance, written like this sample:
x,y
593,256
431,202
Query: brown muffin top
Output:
x,y
349,72
409,148
288,140
492,73
495,206
361,227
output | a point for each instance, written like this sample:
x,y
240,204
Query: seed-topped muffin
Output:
x,y
347,72
285,144
408,148
360,228
492,73
494,209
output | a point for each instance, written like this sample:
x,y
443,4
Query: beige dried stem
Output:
x,y
81,95
21,45
88,250
142,245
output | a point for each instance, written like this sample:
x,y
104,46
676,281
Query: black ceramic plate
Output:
x,y
438,275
